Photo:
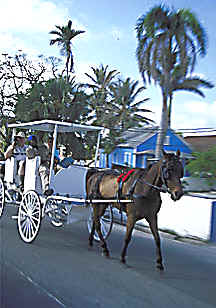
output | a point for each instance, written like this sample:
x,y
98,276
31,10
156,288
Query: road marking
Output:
x,y
49,294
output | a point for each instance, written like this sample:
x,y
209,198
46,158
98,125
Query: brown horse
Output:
x,y
143,187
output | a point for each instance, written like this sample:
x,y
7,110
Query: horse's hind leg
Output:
x,y
91,236
98,212
154,229
130,226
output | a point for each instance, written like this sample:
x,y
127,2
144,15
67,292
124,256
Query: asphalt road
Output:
x,y
59,270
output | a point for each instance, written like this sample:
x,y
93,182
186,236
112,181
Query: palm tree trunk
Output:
x,y
163,129
67,67
170,110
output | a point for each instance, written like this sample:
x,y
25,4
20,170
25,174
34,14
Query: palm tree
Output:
x,y
168,39
125,109
65,34
101,80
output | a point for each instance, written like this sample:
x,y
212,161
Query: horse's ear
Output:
x,y
178,153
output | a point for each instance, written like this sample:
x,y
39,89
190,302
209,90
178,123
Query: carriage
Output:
x,y
78,185
69,185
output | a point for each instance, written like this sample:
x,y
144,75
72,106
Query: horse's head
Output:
x,y
172,171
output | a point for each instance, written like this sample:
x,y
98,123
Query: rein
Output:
x,y
161,189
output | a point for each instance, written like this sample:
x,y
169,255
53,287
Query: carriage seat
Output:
x,y
11,176
32,179
2,169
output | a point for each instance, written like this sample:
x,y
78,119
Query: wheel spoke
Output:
x,y
24,225
24,205
36,212
35,221
33,225
29,216
32,229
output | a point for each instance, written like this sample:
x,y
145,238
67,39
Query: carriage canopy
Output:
x,y
49,126
58,127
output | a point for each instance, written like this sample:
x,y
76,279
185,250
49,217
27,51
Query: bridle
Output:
x,y
164,188
163,175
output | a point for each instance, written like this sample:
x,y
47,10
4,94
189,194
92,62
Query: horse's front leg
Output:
x,y
129,226
98,213
154,229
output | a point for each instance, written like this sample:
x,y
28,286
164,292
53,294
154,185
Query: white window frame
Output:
x,y
128,158
167,140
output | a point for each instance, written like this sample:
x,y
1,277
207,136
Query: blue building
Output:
x,y
139,148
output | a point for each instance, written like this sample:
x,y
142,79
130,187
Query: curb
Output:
x,y
165,233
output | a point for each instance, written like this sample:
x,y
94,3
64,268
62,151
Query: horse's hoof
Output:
x,y
123,260
106,254
160,267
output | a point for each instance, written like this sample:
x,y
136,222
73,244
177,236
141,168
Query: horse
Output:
x,y
143,186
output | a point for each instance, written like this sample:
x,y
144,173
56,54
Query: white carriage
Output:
x,y
69,185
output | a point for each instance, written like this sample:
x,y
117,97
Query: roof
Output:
x,y
49,126
138,135
201,143
201,133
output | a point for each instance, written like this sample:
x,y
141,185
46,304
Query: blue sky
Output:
x,y
110,40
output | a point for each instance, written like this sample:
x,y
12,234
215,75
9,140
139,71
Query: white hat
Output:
x,y
20,134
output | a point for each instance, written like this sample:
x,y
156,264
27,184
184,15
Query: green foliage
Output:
x,y
125,106
204,164
115,104
54,99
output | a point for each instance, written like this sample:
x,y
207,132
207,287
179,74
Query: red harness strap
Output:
x,y
123,177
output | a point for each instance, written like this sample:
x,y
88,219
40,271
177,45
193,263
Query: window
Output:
x,y
127,158
115,158
167,140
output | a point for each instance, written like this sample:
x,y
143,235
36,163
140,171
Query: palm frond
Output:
x,y
54,32
196,28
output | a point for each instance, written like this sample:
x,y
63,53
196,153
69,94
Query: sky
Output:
x,y
110,39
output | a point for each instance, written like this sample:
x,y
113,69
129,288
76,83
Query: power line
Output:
x,y
158,129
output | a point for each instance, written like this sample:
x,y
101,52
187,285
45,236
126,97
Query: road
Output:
x,y
59,270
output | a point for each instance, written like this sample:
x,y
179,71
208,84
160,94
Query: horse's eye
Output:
x,y
166,173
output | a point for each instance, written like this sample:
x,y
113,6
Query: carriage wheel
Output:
x,y
2,197
29,216
51,209
106,223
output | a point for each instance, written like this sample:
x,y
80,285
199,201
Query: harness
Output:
x,y
123,178
163,189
